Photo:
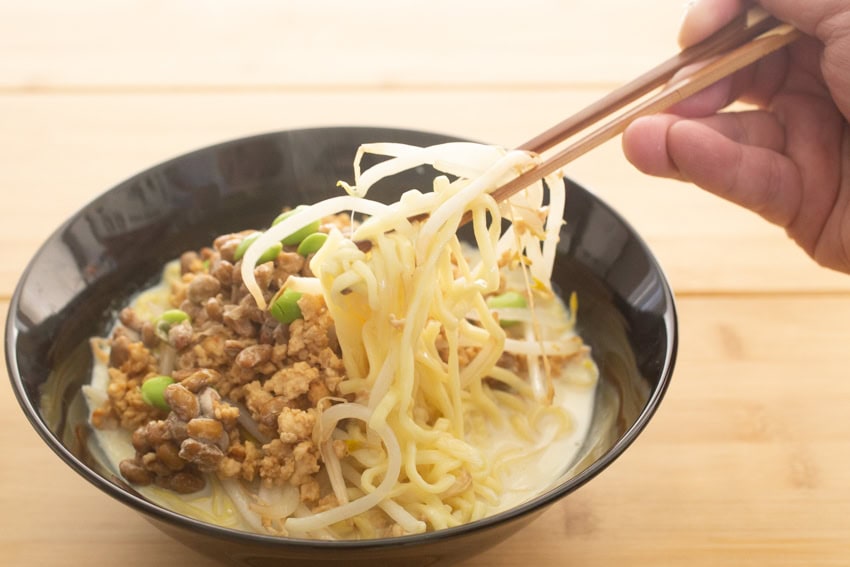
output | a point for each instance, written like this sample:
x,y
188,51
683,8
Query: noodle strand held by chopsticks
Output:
x,y
418,338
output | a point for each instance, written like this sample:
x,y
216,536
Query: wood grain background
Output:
x,y
746,462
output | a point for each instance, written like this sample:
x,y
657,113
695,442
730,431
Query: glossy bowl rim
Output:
x,y
140,504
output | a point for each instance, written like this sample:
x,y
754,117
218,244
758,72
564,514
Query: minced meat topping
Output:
x,y
246,388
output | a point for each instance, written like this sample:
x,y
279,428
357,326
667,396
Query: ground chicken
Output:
x,y
229,358
292,381
295,425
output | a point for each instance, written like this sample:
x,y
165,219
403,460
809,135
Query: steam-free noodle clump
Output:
x,y
356,370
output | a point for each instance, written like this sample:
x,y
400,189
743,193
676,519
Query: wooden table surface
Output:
x,y
748,459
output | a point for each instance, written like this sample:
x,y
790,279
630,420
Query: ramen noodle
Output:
x,y
356,370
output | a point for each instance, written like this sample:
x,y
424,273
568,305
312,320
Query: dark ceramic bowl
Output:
x,y
118,243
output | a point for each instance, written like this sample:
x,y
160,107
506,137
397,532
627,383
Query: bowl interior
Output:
x,y
118,243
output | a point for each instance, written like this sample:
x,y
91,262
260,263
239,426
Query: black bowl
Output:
x,y
118,243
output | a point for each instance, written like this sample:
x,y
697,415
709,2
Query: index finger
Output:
x,y
704,17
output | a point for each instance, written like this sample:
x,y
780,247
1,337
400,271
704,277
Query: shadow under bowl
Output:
x,y
117,244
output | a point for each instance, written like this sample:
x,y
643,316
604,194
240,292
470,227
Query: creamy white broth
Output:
x,y
523,479
531,477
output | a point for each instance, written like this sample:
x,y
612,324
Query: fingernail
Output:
x,y
688,5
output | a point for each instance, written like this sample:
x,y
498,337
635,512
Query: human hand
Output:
x,y
788,159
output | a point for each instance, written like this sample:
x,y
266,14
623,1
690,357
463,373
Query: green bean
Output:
x,y
312,243
153,391
507,300
299,234
267,256
285,308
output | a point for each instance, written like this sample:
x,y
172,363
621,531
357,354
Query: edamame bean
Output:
x,y
173,316
507,300
285,308
244,245
299,234
267,256
271,253
167,320
312,243
153,391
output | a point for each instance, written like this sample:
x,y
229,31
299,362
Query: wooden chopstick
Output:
x,y
741,43
747,26
751,36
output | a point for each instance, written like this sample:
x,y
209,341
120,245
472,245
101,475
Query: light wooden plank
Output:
x,y
59,151
745,464
52,43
